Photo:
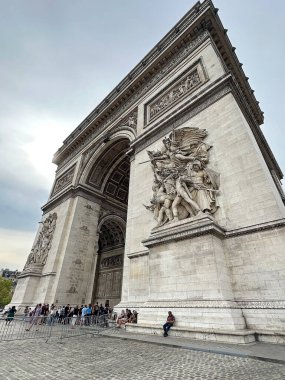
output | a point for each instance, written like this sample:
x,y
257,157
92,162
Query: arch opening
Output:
x,y
109,175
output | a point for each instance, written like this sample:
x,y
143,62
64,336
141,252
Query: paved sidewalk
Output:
x,y
261,351
131,356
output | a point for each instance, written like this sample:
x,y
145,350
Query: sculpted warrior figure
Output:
x,y
40,250
184,186
204,186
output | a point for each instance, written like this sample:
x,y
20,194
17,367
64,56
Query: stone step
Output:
x,y
216,335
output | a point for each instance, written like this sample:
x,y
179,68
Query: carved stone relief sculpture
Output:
x,y
64,180
183,185
184,85
40,250
112,261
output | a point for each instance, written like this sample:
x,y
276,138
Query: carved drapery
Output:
x,y
184,186
40,250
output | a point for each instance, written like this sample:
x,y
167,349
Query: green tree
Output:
x,y
5,291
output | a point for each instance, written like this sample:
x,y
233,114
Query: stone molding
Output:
x,y
128,103
198,226
261,304
279,223
137,254
184,229
32,271
166,41
201,18
204,304
85,192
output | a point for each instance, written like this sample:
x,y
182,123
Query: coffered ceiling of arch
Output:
x,y
111,235
117,185
117,175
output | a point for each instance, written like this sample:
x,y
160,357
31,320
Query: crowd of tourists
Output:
x,y
74,315
84,315
50,314
127,316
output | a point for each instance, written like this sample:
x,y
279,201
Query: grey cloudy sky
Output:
x,y
60,58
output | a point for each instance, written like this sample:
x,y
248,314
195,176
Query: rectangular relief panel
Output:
x,y
189,81
64,180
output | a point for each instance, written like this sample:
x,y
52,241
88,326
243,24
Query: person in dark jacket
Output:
x,y
11,314
169,323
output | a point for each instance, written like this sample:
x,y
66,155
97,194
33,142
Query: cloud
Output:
x,y
59,60
15,247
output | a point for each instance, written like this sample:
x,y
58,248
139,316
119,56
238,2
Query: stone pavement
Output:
x,y
262,351
117,357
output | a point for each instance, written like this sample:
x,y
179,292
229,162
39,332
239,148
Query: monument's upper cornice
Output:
x,y
202,16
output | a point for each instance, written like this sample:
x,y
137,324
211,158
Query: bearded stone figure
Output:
x,y
184,186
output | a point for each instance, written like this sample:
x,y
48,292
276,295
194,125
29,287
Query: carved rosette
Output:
x,y
184,186
39,253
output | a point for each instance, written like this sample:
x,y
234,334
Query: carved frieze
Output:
x,y
40,250
64,180
184,85
111,262
184,186
165,68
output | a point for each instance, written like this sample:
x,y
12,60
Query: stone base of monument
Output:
x,y
30,283
266,336
212,335
189,275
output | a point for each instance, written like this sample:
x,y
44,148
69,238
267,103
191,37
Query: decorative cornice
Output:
x,y
137,254
80,190
151,80
201,17
34,270
199,226
270,304
204,304
185,229
279,223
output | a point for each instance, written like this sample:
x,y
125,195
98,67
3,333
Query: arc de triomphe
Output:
x,y
167,196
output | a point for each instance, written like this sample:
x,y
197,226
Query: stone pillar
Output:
x,y
77,271
68,273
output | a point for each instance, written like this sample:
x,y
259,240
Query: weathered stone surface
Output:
x,y
219,265
116,359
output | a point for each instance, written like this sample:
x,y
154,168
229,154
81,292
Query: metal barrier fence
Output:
x,y
50,327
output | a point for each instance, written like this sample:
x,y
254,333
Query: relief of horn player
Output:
x,y
184,186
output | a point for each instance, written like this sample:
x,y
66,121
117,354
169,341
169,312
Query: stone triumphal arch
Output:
x,y
167,196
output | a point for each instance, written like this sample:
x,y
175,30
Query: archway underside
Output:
x,y
110,175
